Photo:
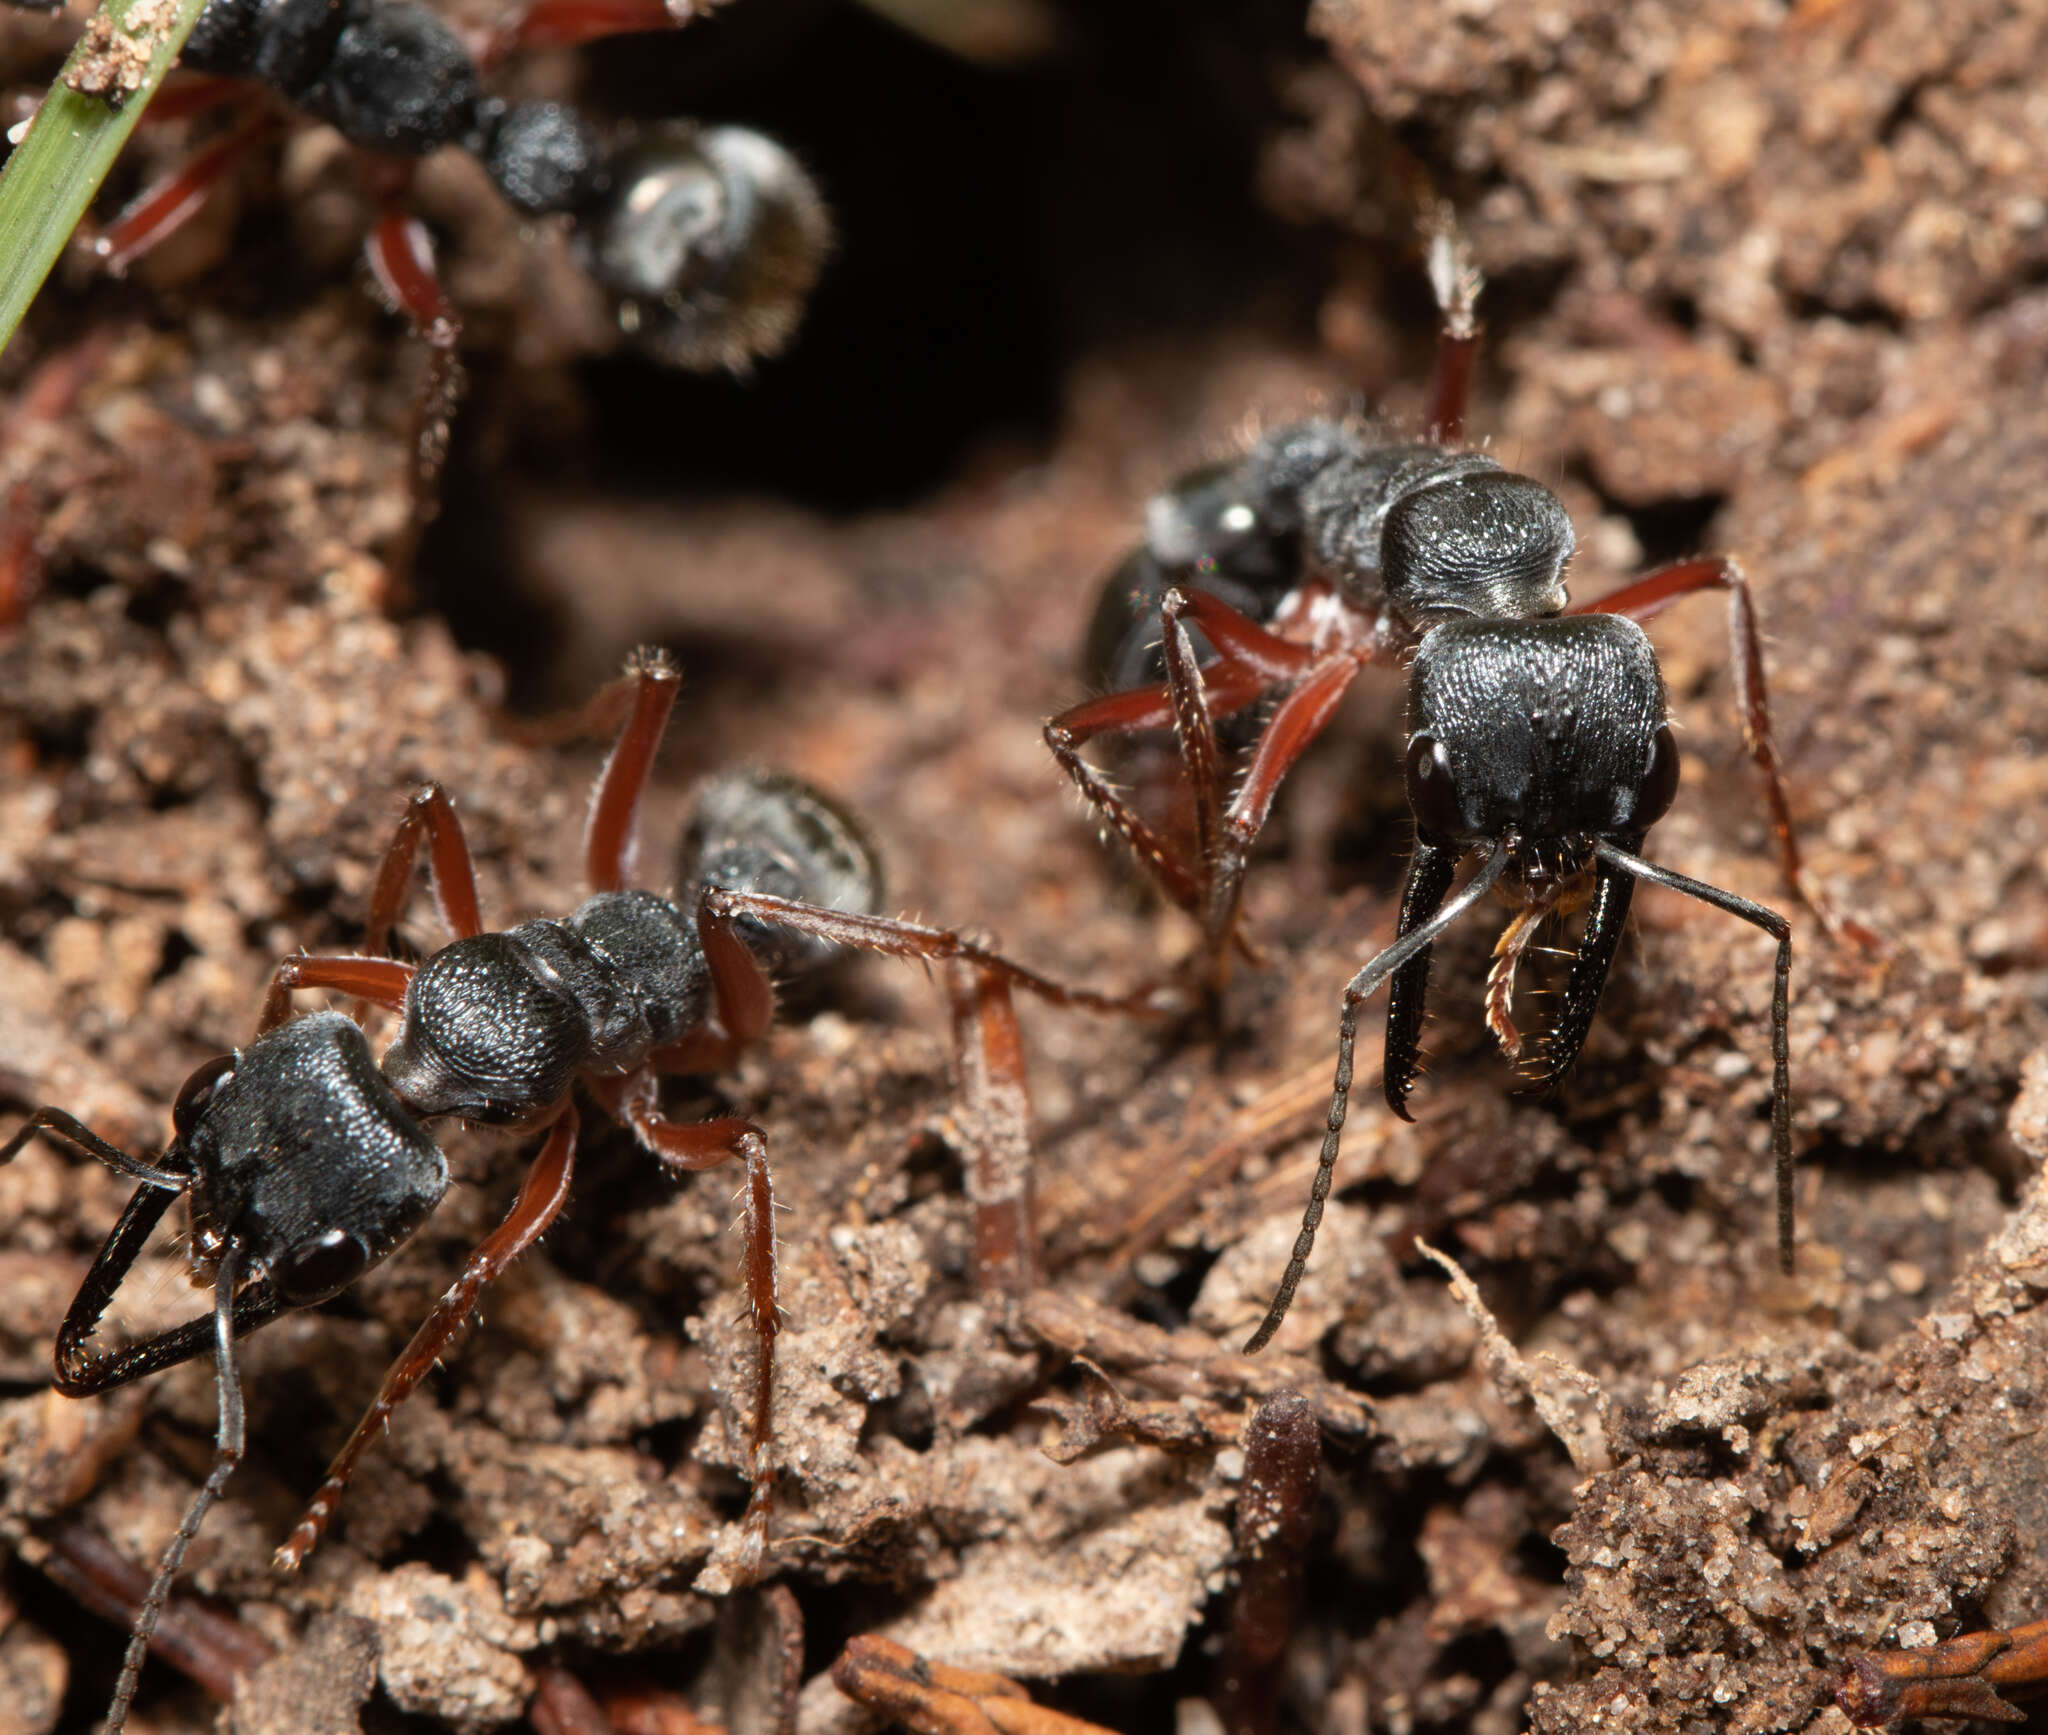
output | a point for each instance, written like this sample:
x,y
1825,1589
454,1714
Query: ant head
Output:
x,y
1538,731
1485,542
709,241
493,1029
762,831
303,1158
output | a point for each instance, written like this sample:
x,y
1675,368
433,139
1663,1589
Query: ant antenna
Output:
x,y
227,1453
1781,993
1361,989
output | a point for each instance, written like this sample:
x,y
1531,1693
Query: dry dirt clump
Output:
x,y
1764,282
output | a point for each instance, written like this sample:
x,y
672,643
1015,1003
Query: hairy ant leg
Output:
x,y
1250,662
995,1119
1457,281
572,23
401,260
646,694
452,871
541,1198
161,210
1302,716
379,981
1646,597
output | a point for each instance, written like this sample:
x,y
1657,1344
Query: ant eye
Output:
x,y
198,1093
1660,780
325,1266
1432,796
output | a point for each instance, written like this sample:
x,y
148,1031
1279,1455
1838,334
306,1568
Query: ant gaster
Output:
x,y
303,1161
1538,731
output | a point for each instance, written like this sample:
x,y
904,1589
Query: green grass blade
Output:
x,y
74,139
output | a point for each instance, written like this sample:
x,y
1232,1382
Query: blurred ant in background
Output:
x,y
1538,731
707,239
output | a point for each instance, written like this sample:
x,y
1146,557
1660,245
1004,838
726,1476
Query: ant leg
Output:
x,y
1429,878
161,210
453,873
1194,729
995,1119
541,1198
1648,596
693,1146
717,906
571,23
1456,279
1781,996
401,259
229,1440
1360,989
1302,716
380,981
611,836
1229,687
82,1372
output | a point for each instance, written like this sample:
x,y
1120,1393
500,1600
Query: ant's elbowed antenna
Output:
x,y
304,1160
1538,730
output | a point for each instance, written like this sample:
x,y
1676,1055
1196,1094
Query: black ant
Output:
x,y
303,1160
1538,732
707,240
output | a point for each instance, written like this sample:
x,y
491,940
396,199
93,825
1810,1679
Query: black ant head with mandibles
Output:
x,y
301,1170
301,1155
1544,739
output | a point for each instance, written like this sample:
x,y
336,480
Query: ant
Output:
x,y
707,239
303,1160
1538,731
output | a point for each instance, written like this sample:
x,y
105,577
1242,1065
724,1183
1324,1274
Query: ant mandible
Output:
x,y
1538,731
303,1160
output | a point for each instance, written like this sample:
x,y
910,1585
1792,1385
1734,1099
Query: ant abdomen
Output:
x,y
709,242
763,831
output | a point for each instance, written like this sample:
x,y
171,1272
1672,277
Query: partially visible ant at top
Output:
x,y
303,1159
1538,731
707,239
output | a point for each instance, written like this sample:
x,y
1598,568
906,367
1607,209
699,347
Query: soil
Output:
x,y
1763,279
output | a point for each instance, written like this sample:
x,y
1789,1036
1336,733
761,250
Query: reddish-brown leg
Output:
x,y
380,981
540,1201
571,23
1457,281
452,873
994,1116
160,210
1251,661
401,259
186,94
1303,715
718,907
1648,596
609,839
691,1146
